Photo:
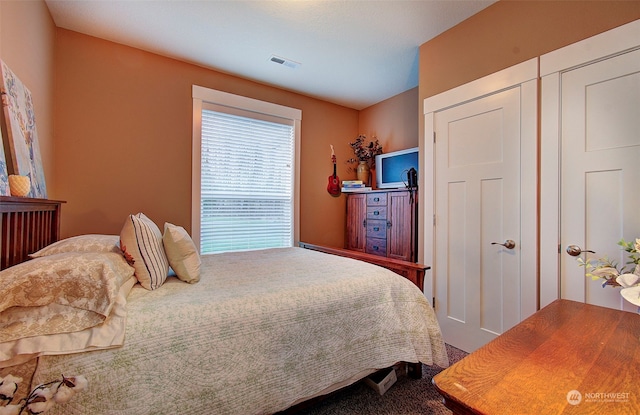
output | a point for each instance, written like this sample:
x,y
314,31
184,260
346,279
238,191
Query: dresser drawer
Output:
x,y
376,246
377,199
377,212
369,219
377,229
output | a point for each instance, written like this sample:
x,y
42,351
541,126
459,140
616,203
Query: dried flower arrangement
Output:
x,y
365,152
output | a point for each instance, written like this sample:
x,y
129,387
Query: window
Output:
x,y
244,173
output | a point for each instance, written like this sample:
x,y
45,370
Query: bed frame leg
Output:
x,y
414,370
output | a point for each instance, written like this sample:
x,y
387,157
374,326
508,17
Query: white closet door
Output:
x,y
482,197
600,170
591,120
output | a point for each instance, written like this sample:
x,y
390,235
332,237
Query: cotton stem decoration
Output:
x,y
42,398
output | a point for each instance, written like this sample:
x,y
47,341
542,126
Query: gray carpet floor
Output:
x,y
406,397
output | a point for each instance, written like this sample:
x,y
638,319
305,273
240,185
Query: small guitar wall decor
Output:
x,y
333,187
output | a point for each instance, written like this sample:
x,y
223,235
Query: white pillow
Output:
x,y
182,253
58,293
81,243
141,243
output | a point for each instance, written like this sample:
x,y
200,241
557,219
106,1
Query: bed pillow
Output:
x,y
182,253
68,292
141,244
57,339
81,243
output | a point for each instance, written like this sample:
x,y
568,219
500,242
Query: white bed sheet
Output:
x,y
260,331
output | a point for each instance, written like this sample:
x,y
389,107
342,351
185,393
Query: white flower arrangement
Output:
x,y
604,268
42,398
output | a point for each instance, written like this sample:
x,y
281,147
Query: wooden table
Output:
x,y
568,358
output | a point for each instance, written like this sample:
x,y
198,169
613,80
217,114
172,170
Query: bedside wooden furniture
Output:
x,y
568,358
412,271
26,225
384,223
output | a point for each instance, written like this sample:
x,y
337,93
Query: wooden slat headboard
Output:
x,y
26,225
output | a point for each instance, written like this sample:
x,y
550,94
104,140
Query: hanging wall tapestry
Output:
x,y
23,151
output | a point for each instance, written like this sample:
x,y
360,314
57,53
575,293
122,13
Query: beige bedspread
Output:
x,y
260,331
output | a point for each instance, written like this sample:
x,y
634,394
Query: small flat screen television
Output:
x,y
392,169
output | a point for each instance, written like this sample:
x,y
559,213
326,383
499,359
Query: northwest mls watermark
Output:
x,y
574,397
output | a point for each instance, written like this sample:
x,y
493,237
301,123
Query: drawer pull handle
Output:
x,y
376,199
376,229
375,248
376,213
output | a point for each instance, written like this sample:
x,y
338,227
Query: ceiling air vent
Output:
x,y
285,62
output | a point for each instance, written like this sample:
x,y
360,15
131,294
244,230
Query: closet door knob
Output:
x,y
509,244
575,250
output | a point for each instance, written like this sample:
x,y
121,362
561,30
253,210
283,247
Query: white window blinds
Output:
x,y
247,178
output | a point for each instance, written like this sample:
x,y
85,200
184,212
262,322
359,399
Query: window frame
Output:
x,y
202,95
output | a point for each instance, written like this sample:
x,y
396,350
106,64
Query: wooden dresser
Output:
x,y
383,222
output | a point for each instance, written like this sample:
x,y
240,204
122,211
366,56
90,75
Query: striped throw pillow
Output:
x,y
141,244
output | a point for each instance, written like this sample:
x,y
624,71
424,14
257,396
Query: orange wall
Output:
x,y
509,32
123,138
393,121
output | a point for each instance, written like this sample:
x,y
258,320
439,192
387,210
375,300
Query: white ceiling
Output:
x,y
353,53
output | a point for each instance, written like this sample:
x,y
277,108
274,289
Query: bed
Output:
x,y
258,333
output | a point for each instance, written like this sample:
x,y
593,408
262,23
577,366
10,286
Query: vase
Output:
x,y
363,172
19,185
